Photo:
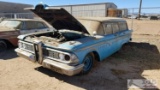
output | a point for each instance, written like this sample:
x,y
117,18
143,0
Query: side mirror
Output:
x,y
94,33
95,36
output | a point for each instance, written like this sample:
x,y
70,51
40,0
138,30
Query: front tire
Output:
x,y
88,63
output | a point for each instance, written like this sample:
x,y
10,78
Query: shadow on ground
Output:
x,y
113,73
8,54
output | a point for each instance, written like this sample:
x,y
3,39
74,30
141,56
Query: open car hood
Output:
x,y
59,18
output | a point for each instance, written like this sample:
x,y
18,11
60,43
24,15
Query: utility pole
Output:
x,y
140,6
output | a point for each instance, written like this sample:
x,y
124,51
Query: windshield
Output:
x,y
10,24
90,25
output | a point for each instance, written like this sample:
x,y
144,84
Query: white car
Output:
x,y
11,28
132,17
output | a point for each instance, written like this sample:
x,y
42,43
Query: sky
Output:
x,y
119,3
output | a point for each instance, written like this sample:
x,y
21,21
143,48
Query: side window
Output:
x,y
30,25
20,26
100,30
123,26
40,25
108,28
115,27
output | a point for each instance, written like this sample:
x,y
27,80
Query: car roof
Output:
x,y
100,19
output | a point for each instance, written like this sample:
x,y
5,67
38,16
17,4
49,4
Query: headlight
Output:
x,y
67,57
64,57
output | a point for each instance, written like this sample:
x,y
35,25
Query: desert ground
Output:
x,y
139,59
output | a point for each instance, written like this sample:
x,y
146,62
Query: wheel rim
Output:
x,y
88,63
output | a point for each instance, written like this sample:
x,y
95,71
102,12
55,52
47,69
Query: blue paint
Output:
x,y
88,61
104,47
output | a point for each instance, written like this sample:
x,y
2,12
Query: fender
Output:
x,y
10,36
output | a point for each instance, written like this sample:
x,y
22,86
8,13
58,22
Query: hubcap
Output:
x,y
87,63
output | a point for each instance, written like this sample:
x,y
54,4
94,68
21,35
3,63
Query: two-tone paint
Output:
x,y
98,44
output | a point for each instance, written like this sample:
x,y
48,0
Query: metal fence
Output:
x,y
17,15
135,22
148,11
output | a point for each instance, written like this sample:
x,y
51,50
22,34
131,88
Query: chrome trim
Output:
x,y
40,53
62,68
26,55
33,52
59,60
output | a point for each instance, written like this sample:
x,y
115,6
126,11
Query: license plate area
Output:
x,y
53,68
32,58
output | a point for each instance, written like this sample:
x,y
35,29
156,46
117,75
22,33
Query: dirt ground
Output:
x,y
139,59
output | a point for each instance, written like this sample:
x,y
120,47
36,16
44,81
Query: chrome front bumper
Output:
x,y
62,68
26,55
53,65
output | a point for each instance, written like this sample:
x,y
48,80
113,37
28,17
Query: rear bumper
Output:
x,y
53,65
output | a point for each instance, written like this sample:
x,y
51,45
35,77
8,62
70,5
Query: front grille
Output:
x,y
49,53
27,46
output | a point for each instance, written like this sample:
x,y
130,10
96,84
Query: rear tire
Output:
x,y
3,46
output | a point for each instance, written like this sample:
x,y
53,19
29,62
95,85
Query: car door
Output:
x,y
111,38
124,34
117,38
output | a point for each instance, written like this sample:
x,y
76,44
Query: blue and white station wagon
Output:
x,y
75,43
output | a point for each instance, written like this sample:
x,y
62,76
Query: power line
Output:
x,y
146,8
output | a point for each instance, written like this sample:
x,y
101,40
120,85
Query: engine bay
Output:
x,y
56,37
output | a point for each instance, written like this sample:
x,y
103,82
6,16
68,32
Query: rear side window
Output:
x,y
30,25
115,27
40,25
108,28
123,26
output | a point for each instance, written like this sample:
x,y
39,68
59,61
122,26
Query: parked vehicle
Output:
x,y
1,19
75,44
11,28
132,17
153,18
143,17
